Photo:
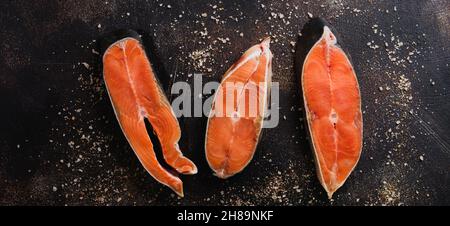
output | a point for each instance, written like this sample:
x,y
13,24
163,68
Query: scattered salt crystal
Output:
x,y
86,65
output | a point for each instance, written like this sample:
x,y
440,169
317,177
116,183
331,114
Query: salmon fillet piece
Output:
x,y
236,118
333,111
136,95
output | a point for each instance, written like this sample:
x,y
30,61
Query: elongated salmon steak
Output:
x,y
236,118
333,110
136,95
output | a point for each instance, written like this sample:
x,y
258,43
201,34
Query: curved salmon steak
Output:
x,y
333,111
135,95
237,112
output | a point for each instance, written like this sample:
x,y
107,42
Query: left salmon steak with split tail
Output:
x,y
136,94
236,118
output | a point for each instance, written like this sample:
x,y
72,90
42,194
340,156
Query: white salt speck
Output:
x,y
86,65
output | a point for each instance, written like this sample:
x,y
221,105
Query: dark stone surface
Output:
x,y
60,142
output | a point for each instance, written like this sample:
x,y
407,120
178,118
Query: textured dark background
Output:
x,y
60,142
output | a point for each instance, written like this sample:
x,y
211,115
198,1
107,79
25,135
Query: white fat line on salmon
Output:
x,y
229,86
246,83
245,60
122,46
249,56
264,51
330,41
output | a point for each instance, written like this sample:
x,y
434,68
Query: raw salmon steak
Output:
x,y
136,95
333,110
237,113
